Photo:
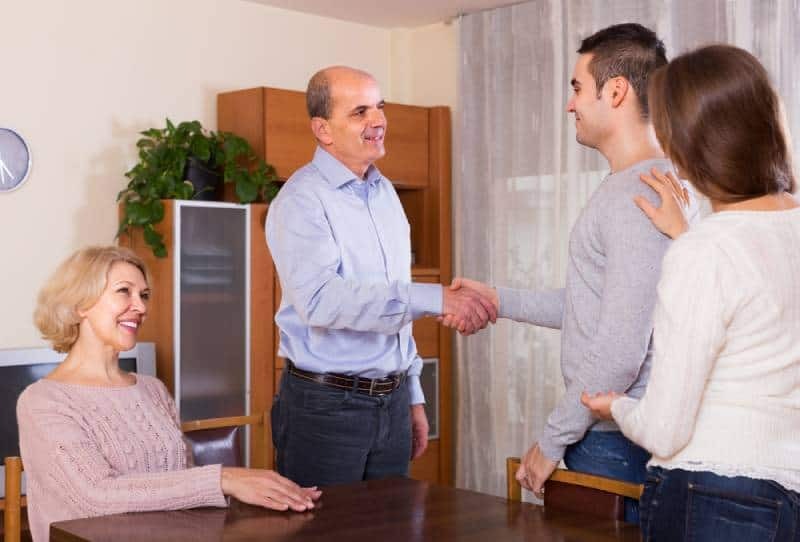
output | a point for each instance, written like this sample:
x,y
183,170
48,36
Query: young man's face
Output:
x,y
592,114
357,124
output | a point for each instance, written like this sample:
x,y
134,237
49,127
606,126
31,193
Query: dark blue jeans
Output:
x,y
325,436
610,454
703,506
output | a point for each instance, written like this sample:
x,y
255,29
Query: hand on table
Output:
x,y
267,488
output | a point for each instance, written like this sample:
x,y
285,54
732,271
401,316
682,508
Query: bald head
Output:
x,y
319,95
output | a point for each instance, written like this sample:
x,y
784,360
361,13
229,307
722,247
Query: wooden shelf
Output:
x,y
425,271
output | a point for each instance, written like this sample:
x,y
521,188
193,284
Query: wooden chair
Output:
x,y
14,501
578,492
217,440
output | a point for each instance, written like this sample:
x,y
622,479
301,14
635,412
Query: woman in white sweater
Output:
x,y
721,414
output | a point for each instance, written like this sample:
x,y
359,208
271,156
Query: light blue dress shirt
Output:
x,y
342,248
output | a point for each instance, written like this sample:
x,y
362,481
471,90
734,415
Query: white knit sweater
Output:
x,y
724,391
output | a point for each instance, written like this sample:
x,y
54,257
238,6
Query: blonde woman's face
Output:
x,y
115,319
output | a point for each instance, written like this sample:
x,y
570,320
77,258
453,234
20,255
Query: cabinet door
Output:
x,y
212,323
406,160
288,139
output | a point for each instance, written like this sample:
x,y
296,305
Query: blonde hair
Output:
x,y
76,285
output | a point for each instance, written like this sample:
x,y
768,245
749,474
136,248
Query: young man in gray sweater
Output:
x,y
605,310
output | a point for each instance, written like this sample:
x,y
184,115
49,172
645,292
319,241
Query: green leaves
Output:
x,y
159,174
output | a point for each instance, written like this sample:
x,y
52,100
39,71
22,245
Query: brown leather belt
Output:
x,y
375,387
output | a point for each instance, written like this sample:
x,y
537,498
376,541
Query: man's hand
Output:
x,y
487,296
670,216
419,431
470,310
534,470
600,403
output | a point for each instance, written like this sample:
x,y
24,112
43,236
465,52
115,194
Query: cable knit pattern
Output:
x,y
92,451
724,391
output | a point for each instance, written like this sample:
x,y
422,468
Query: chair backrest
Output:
x,y
14,501
578,492
217,440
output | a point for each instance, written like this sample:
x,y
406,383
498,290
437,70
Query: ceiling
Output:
x,y
388,13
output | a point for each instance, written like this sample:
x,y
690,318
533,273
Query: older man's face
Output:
x,y
357,124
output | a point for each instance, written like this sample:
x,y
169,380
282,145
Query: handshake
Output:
x,y
469,306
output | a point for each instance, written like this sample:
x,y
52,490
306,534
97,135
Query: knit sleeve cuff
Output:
x,y
208,485
551,450
510,303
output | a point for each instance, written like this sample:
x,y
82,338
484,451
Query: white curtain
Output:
x,y
522,179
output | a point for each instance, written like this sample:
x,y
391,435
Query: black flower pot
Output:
x,y
207,182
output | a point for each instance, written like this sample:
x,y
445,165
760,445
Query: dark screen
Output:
x,y
13,380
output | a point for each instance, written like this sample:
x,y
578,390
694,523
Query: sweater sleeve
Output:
x,y
690,327
633,250
538,307
71,462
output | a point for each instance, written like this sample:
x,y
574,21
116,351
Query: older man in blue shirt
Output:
x,y
350,405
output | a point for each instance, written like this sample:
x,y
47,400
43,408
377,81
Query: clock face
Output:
x,y
15,160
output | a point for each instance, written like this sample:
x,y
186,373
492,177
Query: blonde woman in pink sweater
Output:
x,y
96,440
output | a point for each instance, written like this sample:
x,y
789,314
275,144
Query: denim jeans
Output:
x,y
610,454
325,436
706,507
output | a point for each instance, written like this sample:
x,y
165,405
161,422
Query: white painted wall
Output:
x,y
80,79
425,65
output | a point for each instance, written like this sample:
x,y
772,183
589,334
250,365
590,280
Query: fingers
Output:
x,y
522,477
653,182
490,308
284,490
647,208
457,283
679,191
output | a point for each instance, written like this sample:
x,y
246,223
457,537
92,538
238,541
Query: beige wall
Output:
x,y
80,79
425,65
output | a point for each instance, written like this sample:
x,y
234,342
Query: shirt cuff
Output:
x,y
510,302
415,395
425,300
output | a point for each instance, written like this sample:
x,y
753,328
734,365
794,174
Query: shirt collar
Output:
x,y
337,174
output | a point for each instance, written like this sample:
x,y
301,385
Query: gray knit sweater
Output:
x,y
605,311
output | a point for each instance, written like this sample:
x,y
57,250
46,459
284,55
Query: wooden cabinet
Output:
x,y
418,162
212,295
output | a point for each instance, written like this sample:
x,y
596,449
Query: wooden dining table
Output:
x,y
388,510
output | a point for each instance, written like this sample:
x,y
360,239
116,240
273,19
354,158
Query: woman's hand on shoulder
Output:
x,y
267,488
670,216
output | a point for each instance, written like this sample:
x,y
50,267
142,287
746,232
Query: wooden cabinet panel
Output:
x,y
406,160
287,131
427,466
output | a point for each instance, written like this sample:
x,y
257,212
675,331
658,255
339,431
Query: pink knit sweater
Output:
x,y
92,451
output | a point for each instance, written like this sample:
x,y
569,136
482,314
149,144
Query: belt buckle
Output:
x,y
371,386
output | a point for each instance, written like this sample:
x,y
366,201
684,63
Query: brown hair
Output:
x,y
76,285
720,121
626,50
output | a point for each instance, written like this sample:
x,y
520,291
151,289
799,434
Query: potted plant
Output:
x,y
188,162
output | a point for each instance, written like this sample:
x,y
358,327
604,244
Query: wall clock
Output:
x,y
15,160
